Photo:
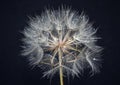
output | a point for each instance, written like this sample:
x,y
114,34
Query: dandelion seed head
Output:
x,y
61,31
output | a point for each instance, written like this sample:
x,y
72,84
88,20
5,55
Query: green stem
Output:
x,y
61,76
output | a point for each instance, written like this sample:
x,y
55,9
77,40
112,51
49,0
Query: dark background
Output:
x,y
14,69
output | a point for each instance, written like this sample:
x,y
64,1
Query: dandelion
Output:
x,y
61,41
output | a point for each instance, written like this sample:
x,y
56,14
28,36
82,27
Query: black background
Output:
x,y
14,69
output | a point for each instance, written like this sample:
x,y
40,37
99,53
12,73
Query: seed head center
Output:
x,y
61,44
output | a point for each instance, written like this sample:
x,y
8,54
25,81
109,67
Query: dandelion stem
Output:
x,y
61,76
60,64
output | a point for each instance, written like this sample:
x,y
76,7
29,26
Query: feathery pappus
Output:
x,y
62,41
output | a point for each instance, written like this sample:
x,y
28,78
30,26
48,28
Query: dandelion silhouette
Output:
x,y
61,41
